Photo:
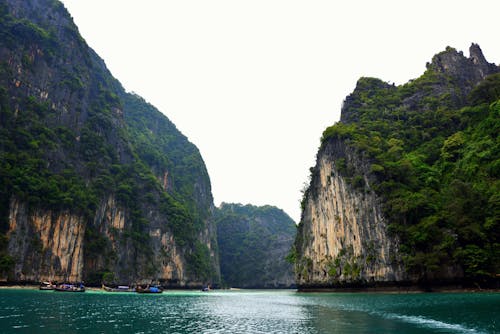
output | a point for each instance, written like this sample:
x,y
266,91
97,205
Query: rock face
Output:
x,y
254,242
467,71
49,244
344,238
94,181
450,76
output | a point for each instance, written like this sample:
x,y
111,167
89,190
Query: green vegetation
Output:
x,y
199,265
253,243
12,30
169,154
6,261
436,166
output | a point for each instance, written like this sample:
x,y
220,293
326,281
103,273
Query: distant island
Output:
x,y
253,245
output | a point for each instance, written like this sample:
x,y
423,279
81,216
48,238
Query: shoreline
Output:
x,y
381,290
20,287
397,289
35,287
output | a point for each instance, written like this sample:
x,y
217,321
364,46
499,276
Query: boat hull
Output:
x,y
69,288
109,289
149,290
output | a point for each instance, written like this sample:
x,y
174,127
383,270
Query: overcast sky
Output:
x,y
253,84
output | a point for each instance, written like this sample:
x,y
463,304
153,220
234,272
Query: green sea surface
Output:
x,y
277,311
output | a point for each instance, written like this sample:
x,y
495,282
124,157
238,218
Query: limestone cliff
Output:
x,y
390,197
94,181
342,238
50,244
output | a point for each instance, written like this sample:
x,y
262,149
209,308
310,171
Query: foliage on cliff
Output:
x,y
435,157
70,137
163,148
253,243
179,167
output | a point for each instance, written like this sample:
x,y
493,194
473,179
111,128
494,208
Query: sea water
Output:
x,y
286,311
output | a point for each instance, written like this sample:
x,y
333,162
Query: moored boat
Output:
x,y
70,287
149,289
47,286
119,288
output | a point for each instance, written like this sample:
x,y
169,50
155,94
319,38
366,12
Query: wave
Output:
x,y
434,324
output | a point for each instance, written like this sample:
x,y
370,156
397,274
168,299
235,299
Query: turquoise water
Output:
x,y
32,311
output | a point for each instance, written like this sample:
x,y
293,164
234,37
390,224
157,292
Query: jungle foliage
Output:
x,y
253,243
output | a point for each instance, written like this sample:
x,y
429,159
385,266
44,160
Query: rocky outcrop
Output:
x,y
450,75
343,238
467,71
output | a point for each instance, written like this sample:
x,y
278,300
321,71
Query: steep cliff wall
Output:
x,y
343,237
404,188
49,244
93,181
118,254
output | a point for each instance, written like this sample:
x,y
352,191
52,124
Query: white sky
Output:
x,y
254,83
